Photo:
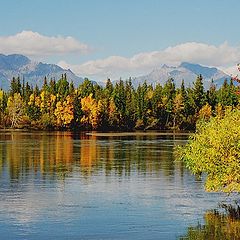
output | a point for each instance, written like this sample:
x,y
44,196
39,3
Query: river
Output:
x,y
63,185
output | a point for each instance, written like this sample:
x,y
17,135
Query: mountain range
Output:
x,y
34,72
15,65
186,71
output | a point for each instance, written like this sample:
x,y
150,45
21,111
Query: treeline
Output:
x,y
61,105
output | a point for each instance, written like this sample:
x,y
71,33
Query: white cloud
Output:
x,y
34,44
222,56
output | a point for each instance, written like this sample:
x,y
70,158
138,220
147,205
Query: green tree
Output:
x,y
198,95
130,106
212,95
62,87
119,97
52,87
108,88
178,108
15,86
169,94
3,105
86,88
158,107
141,105
215,150
227,94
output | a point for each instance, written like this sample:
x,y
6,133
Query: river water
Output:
x,y
62,185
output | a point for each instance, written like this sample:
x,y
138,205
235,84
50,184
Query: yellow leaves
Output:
x,y
205,112
31,99
1,95
112,107
51,109
52,99
15,100
223,224
150,94
91,110
46,102
34,100
215,150
178,102
43,95
112,112
219,110
1,99
88,103
164,101
15,108
64,112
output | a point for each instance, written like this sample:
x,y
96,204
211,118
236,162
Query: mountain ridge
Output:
x,y
33,72
185,71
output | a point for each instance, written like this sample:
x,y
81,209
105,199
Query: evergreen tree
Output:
x,y
212,95
141,105
15,86
227,94
52,87
198,94
27,92
130,106
119,96
169,93
45,86
86,88
62,87
108,88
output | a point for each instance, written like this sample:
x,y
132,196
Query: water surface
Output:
x,y
77,186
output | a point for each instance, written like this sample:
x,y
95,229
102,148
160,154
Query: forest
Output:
x,y
119,106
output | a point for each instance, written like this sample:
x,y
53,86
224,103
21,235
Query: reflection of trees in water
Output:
x,y
218,225
51,155
24,154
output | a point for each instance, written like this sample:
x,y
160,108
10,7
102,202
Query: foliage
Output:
x,y
215,150
64,112
119,106
15,109
217,226
91,111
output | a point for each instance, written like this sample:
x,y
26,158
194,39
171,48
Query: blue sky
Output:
x,y
111,38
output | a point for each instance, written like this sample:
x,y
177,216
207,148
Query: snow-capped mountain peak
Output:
x,y
34,72
185,71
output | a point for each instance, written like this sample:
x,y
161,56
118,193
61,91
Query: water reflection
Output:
x,y
66,185
218,225
57,155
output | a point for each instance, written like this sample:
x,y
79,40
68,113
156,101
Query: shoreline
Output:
x,y
100,133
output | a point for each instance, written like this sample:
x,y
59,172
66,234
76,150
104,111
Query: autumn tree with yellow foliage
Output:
x,y
91,112
64,112
119,106
15,109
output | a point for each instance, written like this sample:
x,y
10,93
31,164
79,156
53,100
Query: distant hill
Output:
x,y
186,71
34,72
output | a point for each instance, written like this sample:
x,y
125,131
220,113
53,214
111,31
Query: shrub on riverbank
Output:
x,y
215,150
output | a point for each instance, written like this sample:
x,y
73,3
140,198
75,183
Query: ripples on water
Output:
x,y
78,186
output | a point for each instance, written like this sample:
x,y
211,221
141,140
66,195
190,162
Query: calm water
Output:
x,y
75,186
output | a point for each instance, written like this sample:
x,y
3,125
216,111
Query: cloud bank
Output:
x,y
223,56
34,44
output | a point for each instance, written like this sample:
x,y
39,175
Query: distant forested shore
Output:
x,y
120,106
